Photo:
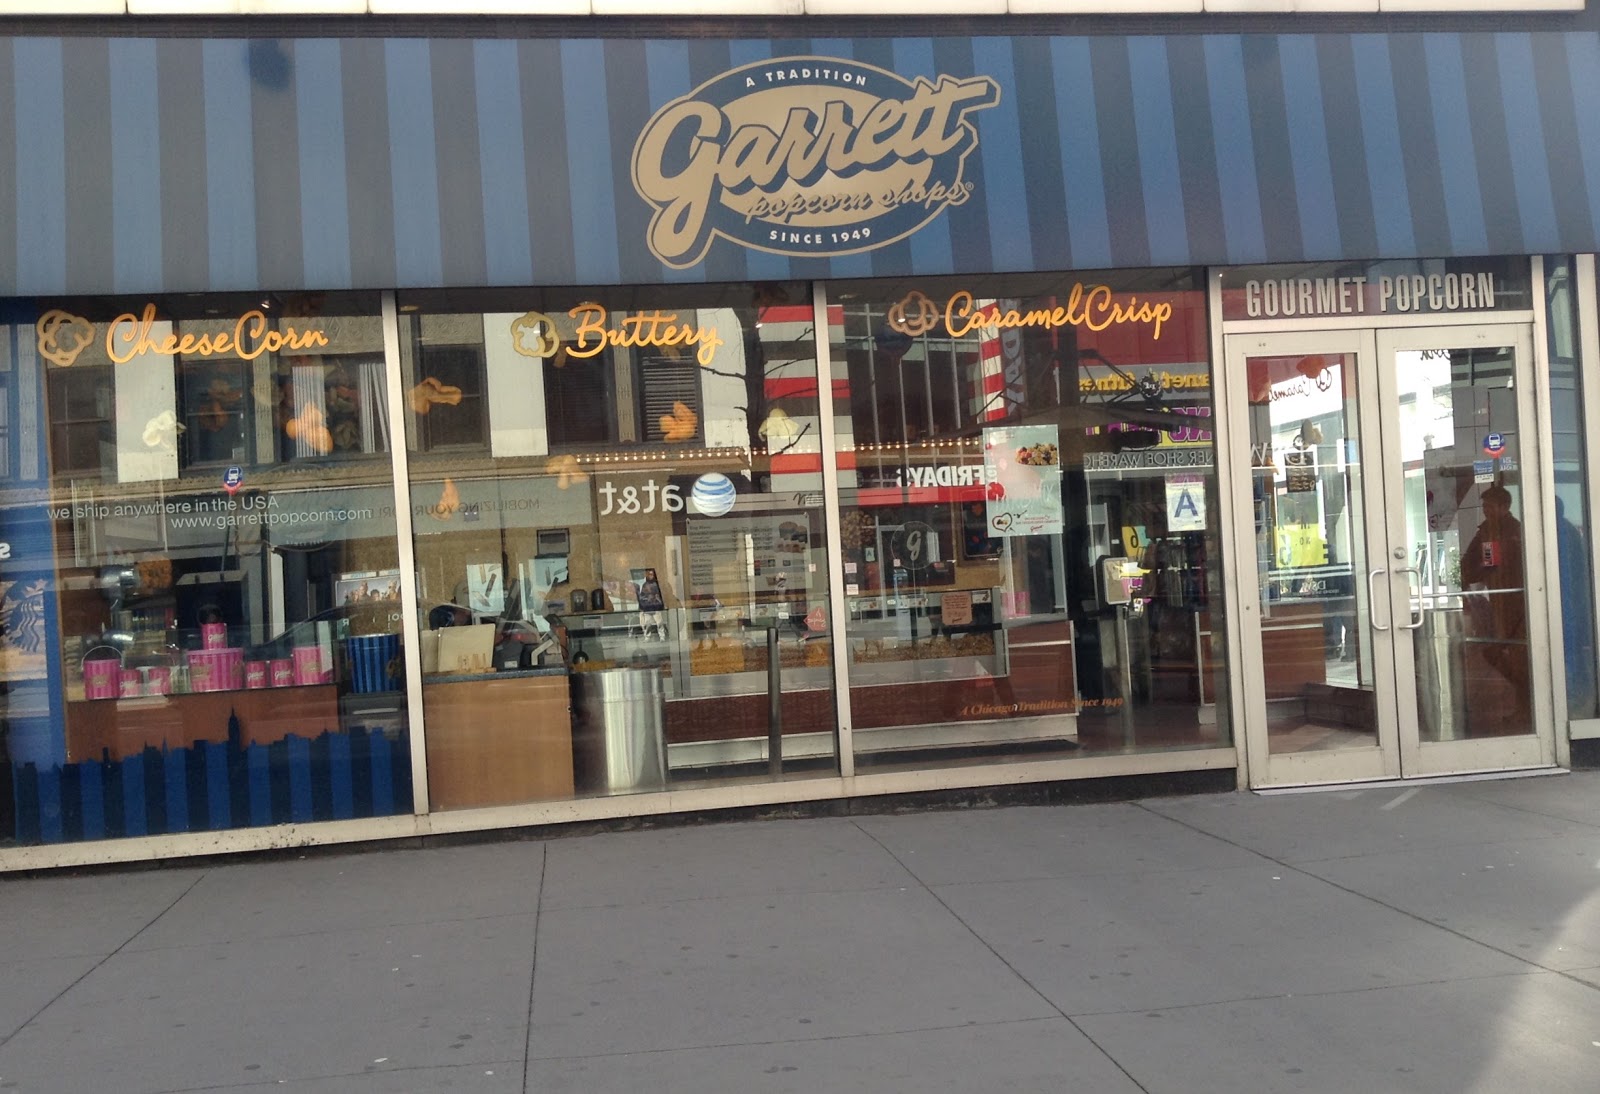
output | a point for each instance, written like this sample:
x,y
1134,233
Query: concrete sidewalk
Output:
x,y
1436,938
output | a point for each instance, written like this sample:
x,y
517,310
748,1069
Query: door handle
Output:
x,y
1417,622
1372,600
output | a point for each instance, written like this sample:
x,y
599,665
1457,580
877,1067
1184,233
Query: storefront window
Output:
x,y
628,523
1573,520
181,586
1030,559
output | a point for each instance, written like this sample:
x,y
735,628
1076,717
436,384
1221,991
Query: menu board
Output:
x,y
767,554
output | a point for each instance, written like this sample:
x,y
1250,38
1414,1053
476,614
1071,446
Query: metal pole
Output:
x,y
774,703
1125,652
838,606
406,553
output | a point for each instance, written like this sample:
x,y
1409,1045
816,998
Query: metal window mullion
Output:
x,y
1585,287
959,423
838,616
1231,525
411,634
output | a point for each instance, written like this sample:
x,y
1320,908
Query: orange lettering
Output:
x,y
128,337
646,329
591,320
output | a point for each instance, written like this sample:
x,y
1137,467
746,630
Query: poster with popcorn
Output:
x,y
1023,465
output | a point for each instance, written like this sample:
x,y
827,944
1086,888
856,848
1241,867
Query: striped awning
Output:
x,y
142,165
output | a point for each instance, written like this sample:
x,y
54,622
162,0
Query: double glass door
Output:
x,y
1392,515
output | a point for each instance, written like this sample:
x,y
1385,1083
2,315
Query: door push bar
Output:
x,y
1372,596
1416,622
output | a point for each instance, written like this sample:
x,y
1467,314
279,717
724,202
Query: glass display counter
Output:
x,y
716,684
899,639
929,660
704,652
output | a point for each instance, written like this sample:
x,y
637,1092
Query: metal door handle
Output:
x,y
1372,600
1417,622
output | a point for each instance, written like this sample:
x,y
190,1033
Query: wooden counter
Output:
x,y
498,739
1293,648
1038,682
732,717
125,727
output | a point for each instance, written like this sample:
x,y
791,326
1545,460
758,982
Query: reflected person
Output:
x,y
1492,567
1577,614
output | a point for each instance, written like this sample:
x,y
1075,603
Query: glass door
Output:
x,y
1319,665
1391,622
1464,507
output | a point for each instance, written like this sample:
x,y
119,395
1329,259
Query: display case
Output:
x,y
704,652
151,663
625,639
715,661
925,660
912,638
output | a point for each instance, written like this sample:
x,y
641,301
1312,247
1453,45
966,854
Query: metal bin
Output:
x,y
618,743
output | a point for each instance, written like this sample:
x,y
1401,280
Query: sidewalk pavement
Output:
x,y
1432,938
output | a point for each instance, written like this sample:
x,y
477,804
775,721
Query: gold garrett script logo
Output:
x,y
806,156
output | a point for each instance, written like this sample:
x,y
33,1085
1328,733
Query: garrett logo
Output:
x,y
62,336
914,315
534,335
806,156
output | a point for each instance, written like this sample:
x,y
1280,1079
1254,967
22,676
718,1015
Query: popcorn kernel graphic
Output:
x,y
915,314
432,392
449,502
779,428
63,336
310,428
680,424
568,473
534,335
162,430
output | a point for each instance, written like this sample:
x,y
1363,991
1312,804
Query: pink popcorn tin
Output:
x,y
102,678
308,666
216,670
158,680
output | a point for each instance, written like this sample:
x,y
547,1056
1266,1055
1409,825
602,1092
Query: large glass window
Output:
x,y
212,585
1030,557
619,538
630,527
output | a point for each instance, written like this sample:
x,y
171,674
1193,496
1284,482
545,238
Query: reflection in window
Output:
x,y
635,567
213,395
81,405
449,353
1573,519
224,594
1029,556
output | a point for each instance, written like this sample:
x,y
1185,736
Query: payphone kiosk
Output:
x,y
1121,589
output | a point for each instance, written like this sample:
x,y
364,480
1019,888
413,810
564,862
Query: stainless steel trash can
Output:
x,y
618,741
1441,675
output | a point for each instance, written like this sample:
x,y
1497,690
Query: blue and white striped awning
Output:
x,y
143,165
